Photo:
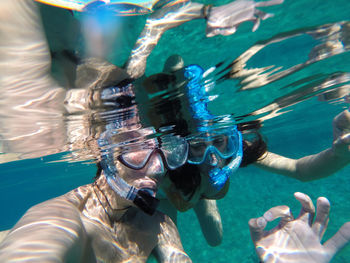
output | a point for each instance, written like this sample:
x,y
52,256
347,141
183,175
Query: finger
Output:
x,y
339,240
343,140
282,212
341,145
322,217
257,225
341,124
256,228
307,211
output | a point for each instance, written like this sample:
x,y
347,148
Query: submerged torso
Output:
x,y
130,238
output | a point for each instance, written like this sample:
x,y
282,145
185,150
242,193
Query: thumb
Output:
x,y
339,240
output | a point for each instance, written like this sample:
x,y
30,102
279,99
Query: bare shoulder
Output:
x,y
52,229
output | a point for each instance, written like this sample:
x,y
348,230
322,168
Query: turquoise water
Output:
x,y
305,129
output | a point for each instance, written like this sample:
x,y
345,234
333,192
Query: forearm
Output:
x,y
159,22
210,221
169,248
320,165
49,232
308,168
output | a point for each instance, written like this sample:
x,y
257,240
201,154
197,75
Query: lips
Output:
x,y
146,184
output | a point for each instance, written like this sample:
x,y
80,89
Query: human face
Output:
x,y
211,147
152,157
149,177
208,150
215,150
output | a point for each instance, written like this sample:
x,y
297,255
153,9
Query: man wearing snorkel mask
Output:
x,y
94,223
113,219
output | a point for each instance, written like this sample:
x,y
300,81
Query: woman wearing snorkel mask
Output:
x,y
214,154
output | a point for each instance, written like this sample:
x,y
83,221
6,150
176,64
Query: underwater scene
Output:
x,y
211,112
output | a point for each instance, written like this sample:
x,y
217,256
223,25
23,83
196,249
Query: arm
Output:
x,y
308,168
159,22
33,102
169,248
209,218
318,165
49,232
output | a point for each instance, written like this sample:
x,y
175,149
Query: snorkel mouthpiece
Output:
x,y
218,177
145,201
142,198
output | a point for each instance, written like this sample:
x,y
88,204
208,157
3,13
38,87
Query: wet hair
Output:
x,y
254,149
98,172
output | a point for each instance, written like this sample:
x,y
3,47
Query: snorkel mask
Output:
x,y
172,149
200,149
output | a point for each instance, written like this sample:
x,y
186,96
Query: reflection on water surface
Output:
x,y
41,117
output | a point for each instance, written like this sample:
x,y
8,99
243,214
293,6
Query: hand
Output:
x,y
297,240
341,134
224,20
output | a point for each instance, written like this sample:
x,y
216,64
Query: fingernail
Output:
x,y
261,222
268,216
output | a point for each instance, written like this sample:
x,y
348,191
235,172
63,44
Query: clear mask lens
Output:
x,y
173,150
136,159
224,145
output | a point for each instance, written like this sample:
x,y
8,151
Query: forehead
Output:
x,y
128,141
210,136
135,134
209,139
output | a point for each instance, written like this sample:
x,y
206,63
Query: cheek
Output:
x,y
128,174
205,168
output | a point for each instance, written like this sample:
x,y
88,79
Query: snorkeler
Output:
x,y
213,154
96,222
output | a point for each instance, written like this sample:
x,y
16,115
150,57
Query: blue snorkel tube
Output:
x,y
197,96
219,176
